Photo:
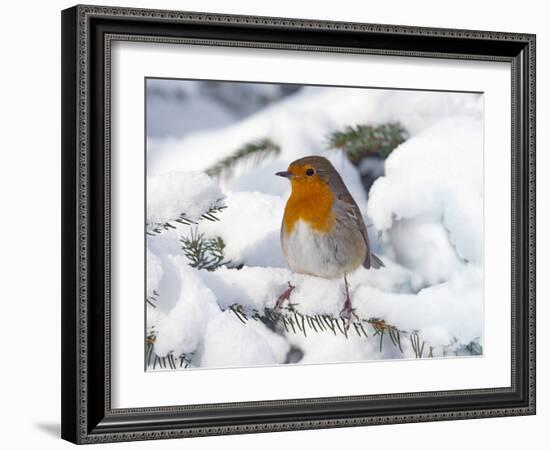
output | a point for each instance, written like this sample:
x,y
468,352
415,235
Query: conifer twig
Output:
x,y
204,253
360,141
152,360
152,299
289,319
154,229
253,152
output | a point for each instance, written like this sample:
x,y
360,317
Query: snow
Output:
x,y
154,272
247,346
171,194
444,189
178,107
424,217
253,234
301,122
182,328
440,312
425,248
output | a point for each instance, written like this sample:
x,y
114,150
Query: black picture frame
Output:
x,y
87,416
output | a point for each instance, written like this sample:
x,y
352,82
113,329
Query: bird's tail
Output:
x,y
373,262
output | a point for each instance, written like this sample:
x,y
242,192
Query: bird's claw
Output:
x,y
348,314
284,296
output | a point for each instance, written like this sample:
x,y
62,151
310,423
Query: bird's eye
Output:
x,y
310,172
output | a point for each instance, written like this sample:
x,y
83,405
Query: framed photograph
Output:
x,y
280,224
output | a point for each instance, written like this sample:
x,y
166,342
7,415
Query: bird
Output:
x,y
322,232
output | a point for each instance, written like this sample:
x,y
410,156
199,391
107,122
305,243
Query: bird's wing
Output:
x,y
347,202
352,210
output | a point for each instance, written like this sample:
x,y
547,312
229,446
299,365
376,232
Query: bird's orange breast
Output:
x,y
310,201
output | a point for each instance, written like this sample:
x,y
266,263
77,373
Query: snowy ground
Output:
x,y
425,217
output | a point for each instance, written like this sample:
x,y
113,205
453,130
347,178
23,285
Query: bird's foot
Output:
x,y
284,296
348,313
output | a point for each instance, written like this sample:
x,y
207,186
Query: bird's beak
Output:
x,y
285,174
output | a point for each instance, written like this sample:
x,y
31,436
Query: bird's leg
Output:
x,y
348,312
284,296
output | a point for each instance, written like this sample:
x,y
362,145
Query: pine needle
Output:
x,y
154,229
289,320
360,141
204,253
251,153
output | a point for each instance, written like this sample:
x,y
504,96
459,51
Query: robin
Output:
x,y
323,233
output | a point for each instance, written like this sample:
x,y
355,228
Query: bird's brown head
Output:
x,y
315,185
309,173
312,179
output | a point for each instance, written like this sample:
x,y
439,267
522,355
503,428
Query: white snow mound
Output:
x,y
175,193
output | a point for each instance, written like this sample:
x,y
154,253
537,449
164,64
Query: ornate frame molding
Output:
x,y
83,421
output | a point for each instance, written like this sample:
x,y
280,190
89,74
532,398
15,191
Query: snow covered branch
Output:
x,y
250,153
154,229
205,253
181,198
361,141
169,361
290,320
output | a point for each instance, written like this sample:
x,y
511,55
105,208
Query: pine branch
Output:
x,y
152,360
154,229
205,253
361,141
417,345
152,299
253,152
290,320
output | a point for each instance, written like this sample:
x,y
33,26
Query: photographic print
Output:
x,y
298,224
